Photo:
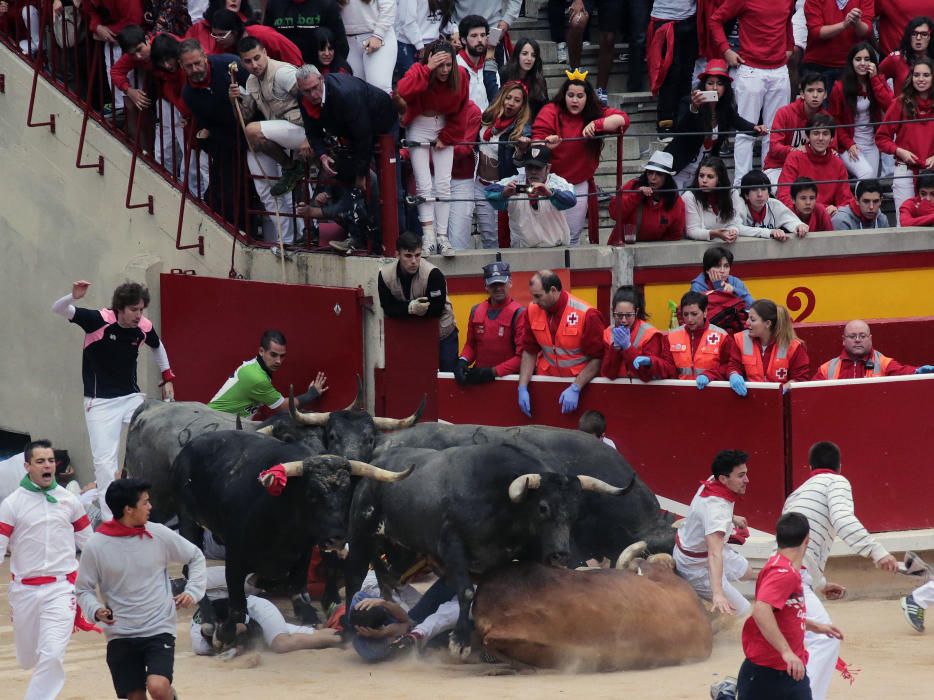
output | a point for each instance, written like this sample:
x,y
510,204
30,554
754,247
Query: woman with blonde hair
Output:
x,y
768,350
507,120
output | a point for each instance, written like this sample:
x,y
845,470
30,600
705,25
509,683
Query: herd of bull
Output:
x,y
471,499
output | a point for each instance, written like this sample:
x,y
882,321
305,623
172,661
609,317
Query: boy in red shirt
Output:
x,y
812,93
820,162
919,211
807,208
773,637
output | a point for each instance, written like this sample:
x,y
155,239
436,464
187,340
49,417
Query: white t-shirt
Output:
x,y
674,9
707,516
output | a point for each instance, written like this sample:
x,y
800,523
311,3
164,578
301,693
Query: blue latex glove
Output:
x,y
738,384
569,398
525,401
703,380
925,369
642,361
621,337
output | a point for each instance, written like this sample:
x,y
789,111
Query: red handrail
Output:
x,y
84,123
37,66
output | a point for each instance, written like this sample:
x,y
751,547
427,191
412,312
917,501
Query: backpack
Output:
x,y
727,311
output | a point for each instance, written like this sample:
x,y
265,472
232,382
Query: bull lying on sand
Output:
x,y
472,509
601,620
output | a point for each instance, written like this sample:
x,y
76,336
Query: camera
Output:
x,y
527,189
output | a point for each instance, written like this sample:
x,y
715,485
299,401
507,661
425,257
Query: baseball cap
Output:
x,y
496,273
538,155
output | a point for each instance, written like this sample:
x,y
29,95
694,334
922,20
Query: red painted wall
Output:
x,y
669,433
411,354
211,325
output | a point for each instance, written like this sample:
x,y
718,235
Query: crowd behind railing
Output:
x,y
340,123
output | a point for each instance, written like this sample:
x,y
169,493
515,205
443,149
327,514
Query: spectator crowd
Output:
x,y
291,92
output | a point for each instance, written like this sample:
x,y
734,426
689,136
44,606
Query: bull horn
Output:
x,y
291,469
239,423
589,483
305,418
368,471
521,484
400,423
359,401
633,551
266,430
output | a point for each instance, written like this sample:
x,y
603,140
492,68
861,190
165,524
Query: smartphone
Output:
x,y
495,35
709,96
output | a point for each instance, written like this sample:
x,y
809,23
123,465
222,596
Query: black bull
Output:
x,y
605,526
472,509
218,477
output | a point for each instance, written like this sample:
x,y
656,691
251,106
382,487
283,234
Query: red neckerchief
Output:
x,y
207,79
715,488
478,66
314,111
499,125
815,472
818,157
114,528
758,217
854,207
924,107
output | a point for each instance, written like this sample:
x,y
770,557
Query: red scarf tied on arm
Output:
x,y
715,488
114,528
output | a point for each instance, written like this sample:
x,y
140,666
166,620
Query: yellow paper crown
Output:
x,y
576,74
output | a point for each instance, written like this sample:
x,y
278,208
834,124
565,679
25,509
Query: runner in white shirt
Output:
x,y
44,523
826,500
701,554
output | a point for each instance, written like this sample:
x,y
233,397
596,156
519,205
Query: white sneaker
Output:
x,y
24,48
444,247
562,52
429,246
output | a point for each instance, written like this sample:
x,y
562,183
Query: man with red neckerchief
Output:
x,y
773,638
702,555
45,523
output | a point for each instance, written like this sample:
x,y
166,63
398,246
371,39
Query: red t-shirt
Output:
x,y
779,585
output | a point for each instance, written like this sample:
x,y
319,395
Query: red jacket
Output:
x,y
618,363
781,143
832,52
843,114
277,46
917,138
420,96
465,156
706,47
591,339
572,160
726,348
764,30
827,166
916,212
894,66
799,365
113,14
169,84
818,221
894,16
849,369
496,343
658,223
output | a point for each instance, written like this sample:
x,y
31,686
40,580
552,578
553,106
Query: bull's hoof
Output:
x,y
459,649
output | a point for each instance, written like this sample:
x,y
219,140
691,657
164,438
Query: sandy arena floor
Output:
x,y
896,662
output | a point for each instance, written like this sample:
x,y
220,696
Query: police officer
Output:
x,y
494,336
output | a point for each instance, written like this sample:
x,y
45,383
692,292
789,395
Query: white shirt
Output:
x,y
674,9
44,536
707,516
477,89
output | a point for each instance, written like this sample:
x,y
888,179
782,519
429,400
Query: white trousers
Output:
x,y
288,135
487,218
924,595
757,90
460,221
695,572
866,165
441,620
170,138
823,651
375,68
264,613
105,419
577,215
424,129
43,618
266,172
112,53
903,187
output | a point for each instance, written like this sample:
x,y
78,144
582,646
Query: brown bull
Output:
x,y
600,620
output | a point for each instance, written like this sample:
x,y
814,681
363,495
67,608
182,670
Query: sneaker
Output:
x,y
344,246
601,95
285,254
562,52
914,613
723,690
290,177
444,247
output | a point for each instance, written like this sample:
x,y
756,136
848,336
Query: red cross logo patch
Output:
x,y
573,318
713,339
781,373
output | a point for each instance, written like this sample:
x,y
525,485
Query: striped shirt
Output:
x,y
826,500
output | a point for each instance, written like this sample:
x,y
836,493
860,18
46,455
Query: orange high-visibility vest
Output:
x,y
752,359
561,356
644,332
707,355
880,364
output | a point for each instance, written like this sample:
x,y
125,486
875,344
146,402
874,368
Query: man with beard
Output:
x,y
477,59
858,359
535,218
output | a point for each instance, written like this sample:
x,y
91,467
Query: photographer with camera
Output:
x,y
534,202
